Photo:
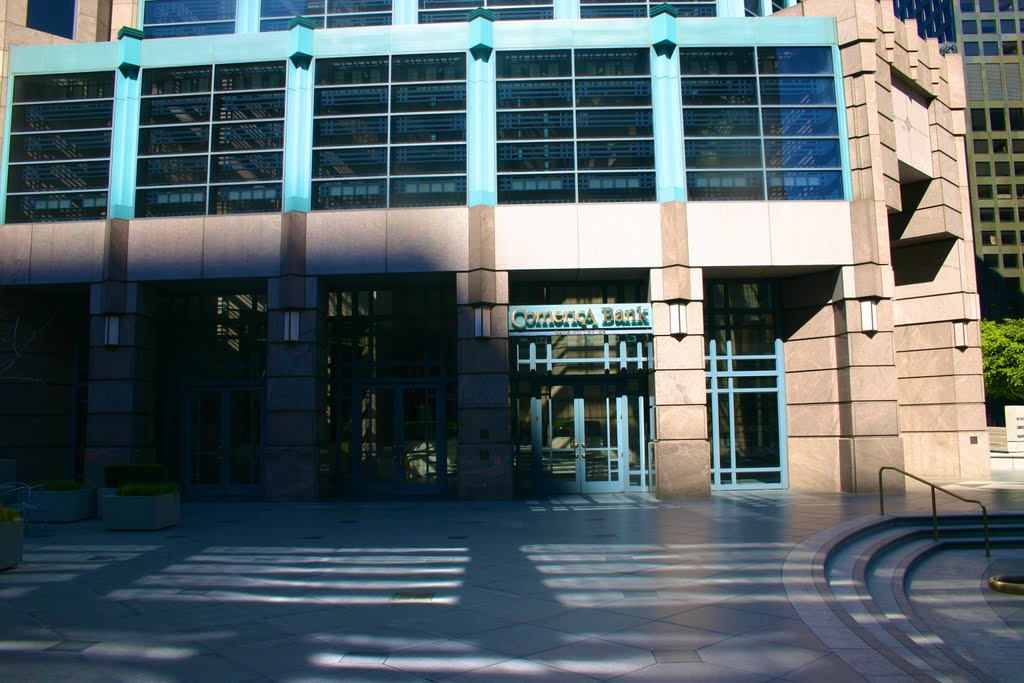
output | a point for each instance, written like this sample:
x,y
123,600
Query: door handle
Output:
x,y
581,449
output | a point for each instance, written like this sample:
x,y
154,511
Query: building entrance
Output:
x,y
225,437
583,432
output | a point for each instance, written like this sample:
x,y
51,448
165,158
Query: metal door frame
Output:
x,y
224,487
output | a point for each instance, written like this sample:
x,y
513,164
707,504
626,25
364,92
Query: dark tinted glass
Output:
x,y
428,97
230,168
546,156
350,194
534,94
176,81
49,208
81,86
440,67
428,191
802,153
534,64
352,101
244,136
615,155
805,185
798,91
174,140
716,60
250,76
799,122
172,171
632,62
794,60
616,187
439,128
731,153
188,109
178,201
714,122
719,91
54,146
428,159
613,93
613,123
352,71
725,185
356,131
536,189
360,161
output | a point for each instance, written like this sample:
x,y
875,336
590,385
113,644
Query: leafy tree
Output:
x,y
1002,351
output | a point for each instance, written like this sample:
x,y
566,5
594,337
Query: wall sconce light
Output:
x,y
960,334
112,330
869,317
677,319
291,326
481,322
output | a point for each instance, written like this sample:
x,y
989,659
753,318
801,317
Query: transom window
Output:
x,y
760,124
276,14
575,126
60,147
443,11
180,18
390,132
211,140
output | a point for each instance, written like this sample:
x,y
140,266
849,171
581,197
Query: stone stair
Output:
x,y
855,585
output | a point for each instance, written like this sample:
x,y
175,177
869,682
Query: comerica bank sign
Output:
x,y
579,319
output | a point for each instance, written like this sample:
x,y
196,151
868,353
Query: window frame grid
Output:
x,y
56,195
762,138
148,26
212,125
279,22
576,172
389,180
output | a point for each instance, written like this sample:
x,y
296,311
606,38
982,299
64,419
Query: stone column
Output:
x,y
120,427
682,451
485,450
296,385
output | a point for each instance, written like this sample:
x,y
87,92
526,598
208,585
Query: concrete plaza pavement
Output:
x,y
572,588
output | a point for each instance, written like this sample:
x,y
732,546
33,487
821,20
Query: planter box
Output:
x,y
12,535
101,497
64,506
141,513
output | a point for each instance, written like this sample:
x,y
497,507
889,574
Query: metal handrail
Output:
x,y
935,515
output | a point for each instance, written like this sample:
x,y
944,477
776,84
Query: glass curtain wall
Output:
x,y
393,404
575,126
615,9
181,18
276,14
390,132
60,147
211,140
760,124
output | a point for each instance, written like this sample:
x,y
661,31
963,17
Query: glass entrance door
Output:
x,y
225,441
576,429
402,439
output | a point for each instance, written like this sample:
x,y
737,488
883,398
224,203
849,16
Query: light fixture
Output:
x,y
481,321
112,330
869,316
960,334
291,326
677,319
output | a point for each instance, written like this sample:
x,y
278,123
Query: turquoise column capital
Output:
x,y
298,128
481,125
124,138
663,29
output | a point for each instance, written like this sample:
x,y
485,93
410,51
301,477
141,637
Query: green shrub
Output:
x,y
117,475
9,515
146,489
63,485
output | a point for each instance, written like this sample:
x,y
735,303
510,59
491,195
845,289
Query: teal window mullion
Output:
x,y
668,126
567,9
124,146
404,12
247,16
298,121
731,8
844,138
481,121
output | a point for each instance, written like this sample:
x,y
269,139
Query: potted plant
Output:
x,y
142,507
63,500
117,475
12,534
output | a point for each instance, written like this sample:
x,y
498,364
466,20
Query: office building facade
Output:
x,y
397,248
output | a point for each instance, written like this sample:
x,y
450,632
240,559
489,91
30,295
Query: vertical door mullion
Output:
x,y
398,437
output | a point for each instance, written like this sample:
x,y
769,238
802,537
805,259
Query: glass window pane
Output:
x,y
713,61
794,60
713,122
719,91
725,185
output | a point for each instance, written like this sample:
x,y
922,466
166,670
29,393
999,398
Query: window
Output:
x,y
1007,25
990,260
275,15
990,49
1008,237
615,9
1011,260
1018,146
1016,118
602,98
1004,191
211,140
1018,168
969,27
1020,191
986,6
972,50
979,120
390,131
786,148
1006,215
1010,47
997,119
59,165
987,214
988,26
1002,168
1000,146
981,146
447,11
179,18
985,191
988,238
1020,214
56,17
982,169
966,5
